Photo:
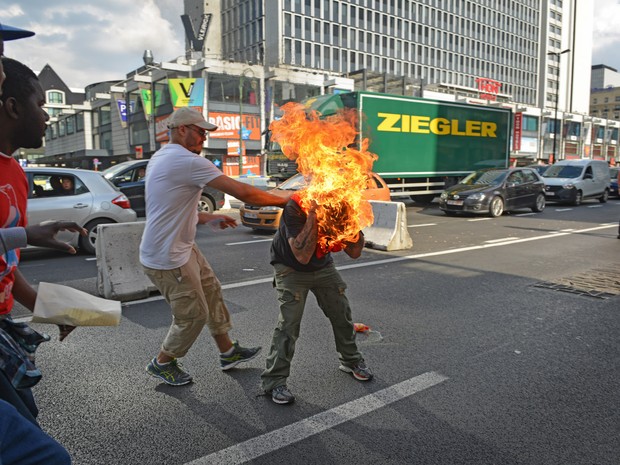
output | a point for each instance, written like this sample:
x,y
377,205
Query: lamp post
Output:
x,y
241,76
557,100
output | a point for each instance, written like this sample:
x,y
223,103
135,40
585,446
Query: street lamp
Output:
x,y
243,74
557,100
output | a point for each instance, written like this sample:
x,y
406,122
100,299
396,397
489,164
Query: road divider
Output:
x,y
119,272
389,228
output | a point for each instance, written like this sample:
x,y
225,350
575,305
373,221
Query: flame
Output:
x,y
326,154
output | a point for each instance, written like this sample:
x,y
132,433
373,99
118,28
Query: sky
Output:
x,y
88,41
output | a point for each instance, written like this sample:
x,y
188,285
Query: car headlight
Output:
x,y
568,186
270,209
443,196
477,196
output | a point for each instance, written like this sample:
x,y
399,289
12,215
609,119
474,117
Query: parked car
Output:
x,y
571,181
128,176
268,218
613,182
539,168
92,200
494,191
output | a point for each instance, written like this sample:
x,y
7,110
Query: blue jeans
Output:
x,y
292,288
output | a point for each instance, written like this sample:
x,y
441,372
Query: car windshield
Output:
x,y
562,171
295,183
614,173
490,177
112,171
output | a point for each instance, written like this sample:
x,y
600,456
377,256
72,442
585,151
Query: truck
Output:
x,y
423,145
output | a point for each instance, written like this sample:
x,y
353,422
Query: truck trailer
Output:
x,y
423,145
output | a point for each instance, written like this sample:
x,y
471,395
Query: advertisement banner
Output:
x,y
517,130
228,126
122,110
146,100
187,92
161,128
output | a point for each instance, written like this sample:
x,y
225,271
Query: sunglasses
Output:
x,y
202,132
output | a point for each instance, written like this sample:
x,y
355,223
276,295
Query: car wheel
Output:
x,y
540,203
605,197
496,207
87,243
578,198
205,204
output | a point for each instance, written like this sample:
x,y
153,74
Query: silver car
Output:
x,y
82,196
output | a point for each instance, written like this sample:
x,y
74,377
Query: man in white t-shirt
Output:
x,y
175,179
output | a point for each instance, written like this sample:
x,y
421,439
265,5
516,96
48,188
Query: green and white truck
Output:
x,y
423,145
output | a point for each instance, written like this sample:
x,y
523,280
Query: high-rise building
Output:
x,y
442,43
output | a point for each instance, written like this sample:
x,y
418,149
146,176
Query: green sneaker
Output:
x,y
239,355
170,373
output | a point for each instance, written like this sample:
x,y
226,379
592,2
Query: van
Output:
x,y
571,181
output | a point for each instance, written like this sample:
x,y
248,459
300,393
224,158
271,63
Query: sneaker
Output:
x,y
359,371
239,355
170,373
281,395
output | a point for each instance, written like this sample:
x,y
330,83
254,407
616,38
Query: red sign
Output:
x,y
228,126
139,151
516,133
488,88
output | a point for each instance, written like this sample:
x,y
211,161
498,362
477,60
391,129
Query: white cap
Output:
x,y
186,116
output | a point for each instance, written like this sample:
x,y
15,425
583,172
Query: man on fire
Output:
x,y
324,218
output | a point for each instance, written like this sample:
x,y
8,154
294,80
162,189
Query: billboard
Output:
x,y
187,92
228,126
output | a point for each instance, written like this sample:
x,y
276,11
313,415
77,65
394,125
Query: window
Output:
x,y
70,121
55,96
56,185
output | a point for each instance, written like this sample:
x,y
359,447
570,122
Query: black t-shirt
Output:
x,y
291,223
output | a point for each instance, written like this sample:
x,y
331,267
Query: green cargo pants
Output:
x,y
292,288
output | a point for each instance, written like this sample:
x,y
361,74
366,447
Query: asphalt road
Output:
x,y
480,359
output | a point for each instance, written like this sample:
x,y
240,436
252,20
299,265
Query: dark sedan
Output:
x,y
494,191
128,176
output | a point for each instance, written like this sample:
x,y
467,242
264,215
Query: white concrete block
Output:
x,y
119,272
389,229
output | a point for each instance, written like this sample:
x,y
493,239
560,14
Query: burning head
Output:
x,y
337,165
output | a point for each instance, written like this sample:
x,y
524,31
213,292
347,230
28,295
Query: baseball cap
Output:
x,y
186,116
11,33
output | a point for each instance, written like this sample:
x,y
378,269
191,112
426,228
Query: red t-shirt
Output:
x,y
13,201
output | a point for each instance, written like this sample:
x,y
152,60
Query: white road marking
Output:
x,y
502,240
526,214
480,219
316,424
90,259
594,206
563,209
421,225
249,242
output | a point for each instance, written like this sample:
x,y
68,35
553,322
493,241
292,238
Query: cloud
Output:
x,y
88,41
606,34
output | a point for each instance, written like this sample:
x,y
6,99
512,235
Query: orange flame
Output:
x,y
326,154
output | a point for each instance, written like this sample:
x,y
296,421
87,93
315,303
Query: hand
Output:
x,y
65,330
44,234
227,222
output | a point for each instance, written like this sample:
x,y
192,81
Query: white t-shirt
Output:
x,y
175,178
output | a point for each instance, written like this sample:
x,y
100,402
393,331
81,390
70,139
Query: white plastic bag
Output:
x,y
64,305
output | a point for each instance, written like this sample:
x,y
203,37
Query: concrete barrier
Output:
x,y
389,228
119,272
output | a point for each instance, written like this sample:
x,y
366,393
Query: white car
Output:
x,y
82,196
